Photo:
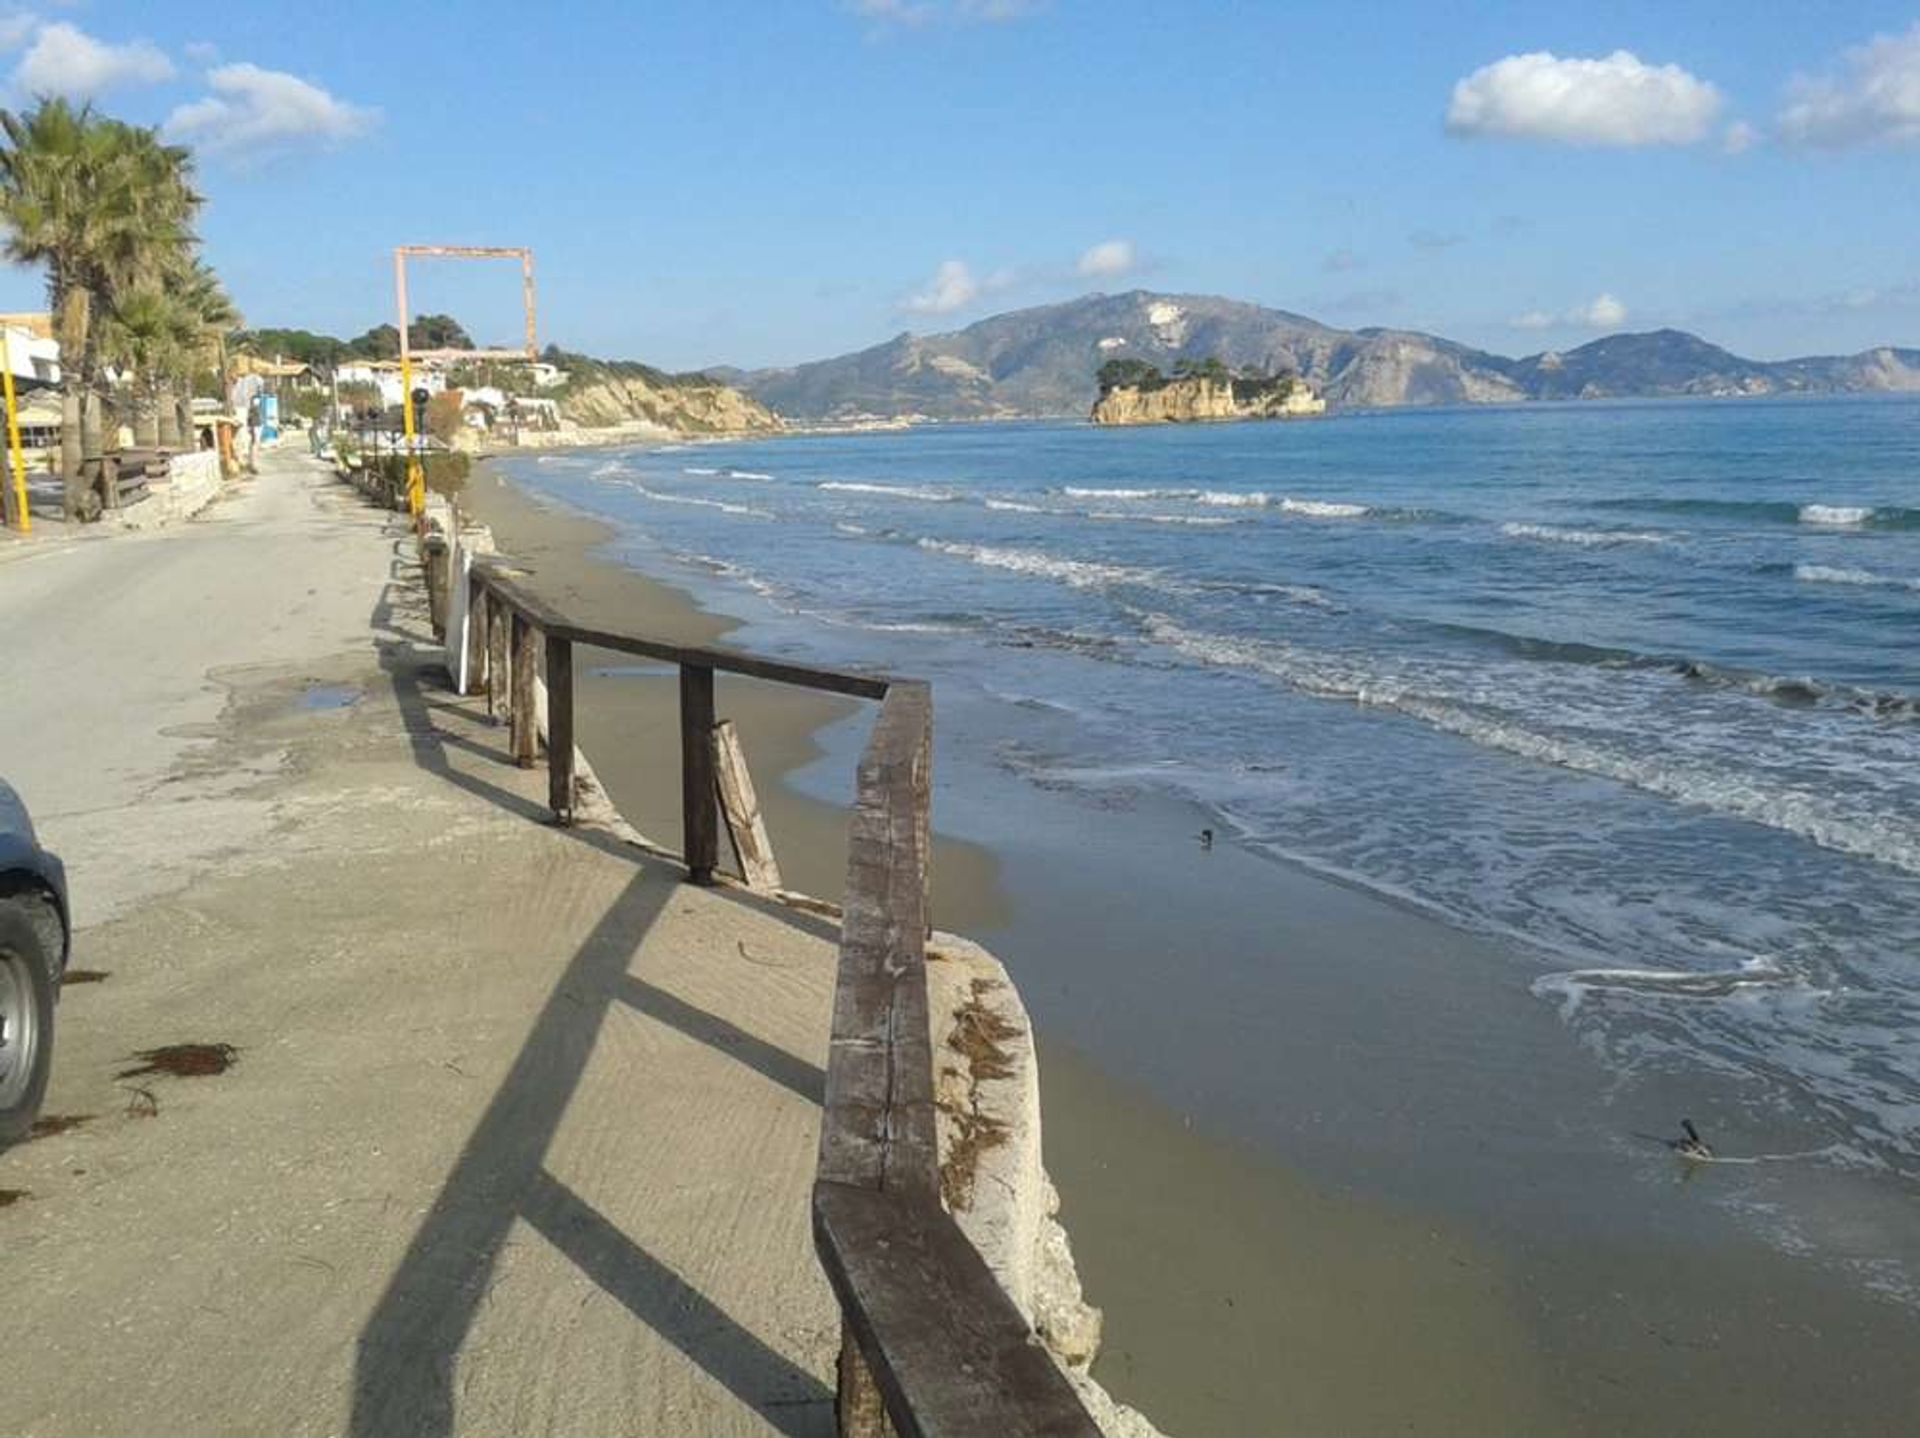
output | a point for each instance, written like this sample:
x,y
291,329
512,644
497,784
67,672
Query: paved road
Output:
x,y
520,1129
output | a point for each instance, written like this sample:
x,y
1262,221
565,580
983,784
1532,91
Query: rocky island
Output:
x,y
1135,392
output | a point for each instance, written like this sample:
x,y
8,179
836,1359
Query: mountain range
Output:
x,y
1042,362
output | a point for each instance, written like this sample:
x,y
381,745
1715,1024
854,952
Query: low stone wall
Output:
x,y
987,1092
190,486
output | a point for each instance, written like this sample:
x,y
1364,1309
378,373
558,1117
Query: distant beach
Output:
x,y
1305,1136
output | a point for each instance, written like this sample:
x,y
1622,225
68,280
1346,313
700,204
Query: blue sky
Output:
x,y
765,181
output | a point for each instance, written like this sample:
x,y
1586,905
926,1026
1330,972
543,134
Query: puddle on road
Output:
x,y
323,697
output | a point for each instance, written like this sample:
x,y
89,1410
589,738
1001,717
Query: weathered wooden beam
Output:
x,y
740,807
950,1352
877,1130
699,799
523,733
496,658
478,604
560,729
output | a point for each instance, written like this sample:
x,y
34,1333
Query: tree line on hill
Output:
x,y
1247,384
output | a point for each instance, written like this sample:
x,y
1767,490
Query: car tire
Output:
x,y
26,1017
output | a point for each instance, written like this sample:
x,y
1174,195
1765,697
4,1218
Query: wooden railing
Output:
x,y
931,1344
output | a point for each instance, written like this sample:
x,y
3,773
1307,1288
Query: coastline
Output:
x,y
1431,1191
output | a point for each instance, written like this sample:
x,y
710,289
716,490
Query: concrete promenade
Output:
x,y
520,1129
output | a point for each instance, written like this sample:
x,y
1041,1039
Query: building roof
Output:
x,y
37,323
268,369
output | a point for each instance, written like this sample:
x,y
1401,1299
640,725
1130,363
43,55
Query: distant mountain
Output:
x,y
1042,362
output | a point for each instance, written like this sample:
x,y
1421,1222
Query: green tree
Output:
x,y
1129,374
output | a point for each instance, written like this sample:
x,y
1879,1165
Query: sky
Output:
x,y
761,182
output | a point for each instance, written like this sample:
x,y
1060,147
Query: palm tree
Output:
x,y
46,162
106,208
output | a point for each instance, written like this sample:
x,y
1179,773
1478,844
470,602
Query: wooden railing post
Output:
x,y
477,606
560,729
523,733
496,658
699,801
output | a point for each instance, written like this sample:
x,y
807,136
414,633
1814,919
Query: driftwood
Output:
x,y
740,806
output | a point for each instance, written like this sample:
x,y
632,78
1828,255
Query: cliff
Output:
x,y
608,400
1186,401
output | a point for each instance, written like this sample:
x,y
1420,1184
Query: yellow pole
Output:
x,y
416,476
23,513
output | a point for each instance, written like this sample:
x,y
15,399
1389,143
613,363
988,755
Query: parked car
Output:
x,y
34,933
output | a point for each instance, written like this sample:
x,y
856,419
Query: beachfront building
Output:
x,y
384,375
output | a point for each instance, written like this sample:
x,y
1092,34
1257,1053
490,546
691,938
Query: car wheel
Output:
x,y
26,1018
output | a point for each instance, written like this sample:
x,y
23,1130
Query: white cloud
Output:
x,y
1109,259
1739,138
1602,312
1617,100
254,109
201,52
64,60
1874,99
952,287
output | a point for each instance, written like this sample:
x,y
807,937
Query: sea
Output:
x,y
1633,686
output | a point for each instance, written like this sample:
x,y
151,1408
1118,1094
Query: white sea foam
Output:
x,y
1202,521
1554,534
855,529
1073,491
1828,574
1014,506
749,474
721,505
704,473
1324,509
1824,819
1230,499
921,492
1080,573
1839,514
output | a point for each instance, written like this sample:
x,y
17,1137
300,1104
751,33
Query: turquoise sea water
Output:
x,y
1637,686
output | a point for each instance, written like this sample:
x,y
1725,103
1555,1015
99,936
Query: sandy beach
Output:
x,y
1328,1164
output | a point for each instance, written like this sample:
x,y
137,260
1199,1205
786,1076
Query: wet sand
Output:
x,y
1356,1179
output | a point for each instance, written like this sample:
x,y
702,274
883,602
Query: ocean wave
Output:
x,y
722,505
1325,509
1845,514
1574,988
1074,491
1829,574
1014,506
1198,521
1079,573
1229,499
1765,511
1814,816
1553,533
924,493
748,474
702,473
